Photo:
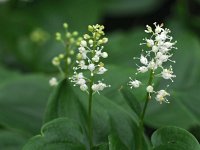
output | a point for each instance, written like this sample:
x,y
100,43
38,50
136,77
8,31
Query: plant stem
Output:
x,y
90,128
144,109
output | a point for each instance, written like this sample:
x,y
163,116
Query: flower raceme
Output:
x,y
160,47
64,61
91,52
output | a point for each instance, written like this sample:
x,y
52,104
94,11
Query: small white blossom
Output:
x,y
149,29
81,81
82,64
150,42
82,49
161,96
143,60
134,83
149,89
152,65
105,40
91,42
53,82
155,49
158,28
91,67
95,58
101,70
84,87
83,43
142,69
104,55
99,87
167,74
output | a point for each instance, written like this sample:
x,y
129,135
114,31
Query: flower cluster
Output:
x,y
159,52
88,58
64,61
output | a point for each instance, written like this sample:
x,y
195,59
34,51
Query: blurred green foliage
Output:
x,y
27,46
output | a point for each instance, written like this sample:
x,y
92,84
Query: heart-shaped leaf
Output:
x,y
174,138
61,133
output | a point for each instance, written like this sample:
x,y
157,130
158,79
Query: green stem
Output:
x,y
144,109
90,128
67,65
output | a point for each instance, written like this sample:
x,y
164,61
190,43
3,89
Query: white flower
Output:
x,y
152,65
142,69
88,59
155,49
149,89
101,70
84,87
99,87
83,43
105,40
95,58
162,36
168,44
160,97
56,61
81,81
91,42
149,29
150,42
53,82
91,67
79,75
81,49
134,83
158,29
167,74
160,47
104,55
143,60
82,64
95,87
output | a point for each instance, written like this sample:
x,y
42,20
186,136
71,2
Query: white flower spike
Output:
x,y
153,60
91,53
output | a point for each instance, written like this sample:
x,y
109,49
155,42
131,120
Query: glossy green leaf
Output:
x,y
132,101
174,138
11,140
115,143
61,133
22,103
69,101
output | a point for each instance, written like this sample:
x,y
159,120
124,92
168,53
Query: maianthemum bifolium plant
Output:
x,y
82,65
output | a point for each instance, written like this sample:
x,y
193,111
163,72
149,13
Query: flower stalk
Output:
x,y
154,60
89,60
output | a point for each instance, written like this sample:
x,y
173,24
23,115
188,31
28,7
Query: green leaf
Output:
x,y
22,103
132,101
103,146
11,140
115,143
61,133
174,138
69,101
